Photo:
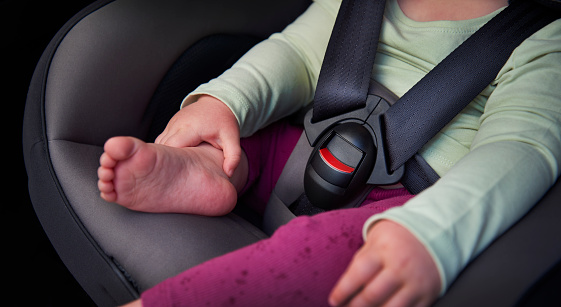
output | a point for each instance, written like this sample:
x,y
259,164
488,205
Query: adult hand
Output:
x,y
392,269
206,120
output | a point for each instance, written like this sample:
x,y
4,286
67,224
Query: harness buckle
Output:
x,y
348,158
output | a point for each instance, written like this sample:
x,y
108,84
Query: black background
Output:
x,y
36,275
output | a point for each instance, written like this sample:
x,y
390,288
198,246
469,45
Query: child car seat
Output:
x,y
108,72
103,75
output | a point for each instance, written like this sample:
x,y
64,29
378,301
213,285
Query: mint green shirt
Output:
x,y
495,159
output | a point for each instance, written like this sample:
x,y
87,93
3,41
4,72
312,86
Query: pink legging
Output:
x,y
298,265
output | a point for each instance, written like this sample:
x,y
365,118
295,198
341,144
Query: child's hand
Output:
x,y
392,269
207,120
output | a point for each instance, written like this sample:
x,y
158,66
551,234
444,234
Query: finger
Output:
x,y
162,138
232,157
404,297
379,290
362,269
181,139
165,134
412,294
232,154
158,140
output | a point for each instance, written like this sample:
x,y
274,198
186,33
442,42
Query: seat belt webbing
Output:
x,y
448,88
434,101
345,73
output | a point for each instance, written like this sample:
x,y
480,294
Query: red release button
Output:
x,y
334,162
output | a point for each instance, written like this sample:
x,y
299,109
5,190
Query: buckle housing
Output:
x,y
349,156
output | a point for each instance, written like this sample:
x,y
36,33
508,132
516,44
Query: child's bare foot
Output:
x,y
159,178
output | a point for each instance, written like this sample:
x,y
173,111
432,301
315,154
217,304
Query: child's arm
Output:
x,y
513,160
392,268
278,76
274,79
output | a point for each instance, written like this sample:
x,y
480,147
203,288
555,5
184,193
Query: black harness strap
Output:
x,y
345,74
434,101
448,88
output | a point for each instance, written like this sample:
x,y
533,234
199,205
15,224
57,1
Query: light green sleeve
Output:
x,y
279,75
513,160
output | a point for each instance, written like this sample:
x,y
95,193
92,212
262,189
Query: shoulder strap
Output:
x,y
345,73
448,88
438,97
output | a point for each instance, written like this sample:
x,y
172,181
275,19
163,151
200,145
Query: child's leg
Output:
x,y
297,266
267,152
158,178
